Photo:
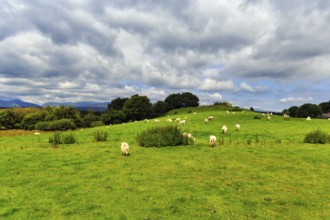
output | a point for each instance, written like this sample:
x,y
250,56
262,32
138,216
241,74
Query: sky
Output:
x,y
265,54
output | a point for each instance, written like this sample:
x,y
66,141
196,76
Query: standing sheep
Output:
x,y
213,140
224,129
237,126
124,148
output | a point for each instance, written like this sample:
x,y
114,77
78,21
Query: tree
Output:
x,y
308,109
89,118
113,117
325,106
10,119
293,110
159,108
117,104
189,100
183,100
173,101
137,108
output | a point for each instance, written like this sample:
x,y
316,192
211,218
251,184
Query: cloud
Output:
x,y
296,100
82,50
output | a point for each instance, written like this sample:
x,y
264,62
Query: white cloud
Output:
x,y
296,100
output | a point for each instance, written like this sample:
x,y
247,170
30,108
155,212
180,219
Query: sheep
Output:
x,y
189,136
227,112
146,121
169,120
156,120
224,129
206,120
182,122
210,117
237,126
308,118
213,140
124,148
269,117
177,119
36,133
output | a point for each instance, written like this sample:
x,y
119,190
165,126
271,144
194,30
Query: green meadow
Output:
x,y
262,171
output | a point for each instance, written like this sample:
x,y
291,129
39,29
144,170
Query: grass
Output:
x,y
275,176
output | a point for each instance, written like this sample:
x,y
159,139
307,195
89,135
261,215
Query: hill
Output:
x,y
16,103
262,171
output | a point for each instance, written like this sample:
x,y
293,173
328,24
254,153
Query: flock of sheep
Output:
x,y
125,147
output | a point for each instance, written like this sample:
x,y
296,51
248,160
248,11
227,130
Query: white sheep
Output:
x,y
206,120
169,120
268,117
156,120
308,118
210,117
124,148
182,122
189,136
213,140
237,126
224,129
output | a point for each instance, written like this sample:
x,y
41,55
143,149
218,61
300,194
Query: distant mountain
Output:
x,y
16,103
97,106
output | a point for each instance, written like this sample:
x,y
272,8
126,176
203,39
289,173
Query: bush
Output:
x,y
59,138
317,137
256,117
161,137
57,125
97,124
100,136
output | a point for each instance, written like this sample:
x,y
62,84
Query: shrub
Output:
x,y
161,137
97,124
100,136
57,125
60,138
317,137
256,117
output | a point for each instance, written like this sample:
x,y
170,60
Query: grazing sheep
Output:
x,y
213,140
182,122
308,118
237,126
269,117
227,112
206,120
124,148
36,133
146,121
156,120
210,118
189,136
177,119
224,129
169,120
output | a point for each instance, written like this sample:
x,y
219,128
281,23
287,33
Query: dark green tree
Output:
x,y
137,108
160,108
117,104
325,106
189,100
293,110
10,119
308,109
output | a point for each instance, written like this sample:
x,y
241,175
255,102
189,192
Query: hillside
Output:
x,y
263,171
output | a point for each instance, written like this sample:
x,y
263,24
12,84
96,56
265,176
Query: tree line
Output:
x,y
308,109
119,110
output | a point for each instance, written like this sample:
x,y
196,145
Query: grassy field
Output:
x,y
263,171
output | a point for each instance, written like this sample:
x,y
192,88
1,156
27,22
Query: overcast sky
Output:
x,y
267,54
